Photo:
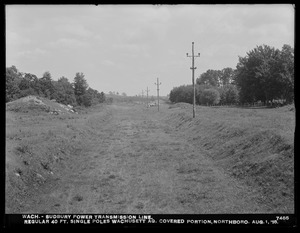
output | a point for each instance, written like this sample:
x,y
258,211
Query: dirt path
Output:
x,y
136,162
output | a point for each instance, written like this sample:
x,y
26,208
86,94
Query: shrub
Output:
x,y
182,93
209,97
229,94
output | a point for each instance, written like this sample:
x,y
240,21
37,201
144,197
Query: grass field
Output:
x,y
126,158
253,145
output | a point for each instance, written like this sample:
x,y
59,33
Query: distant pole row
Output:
x,y
147,91
147,97
193,81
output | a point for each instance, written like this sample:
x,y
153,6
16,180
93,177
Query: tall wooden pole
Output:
x,y
193,77
158,83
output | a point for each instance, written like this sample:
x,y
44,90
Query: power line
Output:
x,y
158,83
193,76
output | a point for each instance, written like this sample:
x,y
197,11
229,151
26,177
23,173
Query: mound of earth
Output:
x,y
38,104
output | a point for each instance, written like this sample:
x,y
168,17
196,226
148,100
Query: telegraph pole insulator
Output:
x,y
193,76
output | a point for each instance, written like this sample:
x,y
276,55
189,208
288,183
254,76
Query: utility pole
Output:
x,y
193,76
158,83
147,97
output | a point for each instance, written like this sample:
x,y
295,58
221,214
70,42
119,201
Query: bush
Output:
x,y
229,94
209,97
182,93
85,100
109,100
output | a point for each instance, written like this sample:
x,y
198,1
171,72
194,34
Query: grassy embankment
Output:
x,y
40,147
254,145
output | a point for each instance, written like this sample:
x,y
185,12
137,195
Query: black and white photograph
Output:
x,y
149,114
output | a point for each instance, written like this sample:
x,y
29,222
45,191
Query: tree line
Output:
x,y
264,75
78,92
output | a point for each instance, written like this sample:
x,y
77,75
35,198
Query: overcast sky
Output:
x,y
125,48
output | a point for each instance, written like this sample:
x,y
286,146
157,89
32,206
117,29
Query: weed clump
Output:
x,y
23,149
78,198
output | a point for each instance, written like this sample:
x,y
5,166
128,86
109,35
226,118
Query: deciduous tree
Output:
x,y
80,88
210,77
266,73
12,78
64,91
46,85
209,97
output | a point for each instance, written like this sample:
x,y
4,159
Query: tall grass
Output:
x,y
254,145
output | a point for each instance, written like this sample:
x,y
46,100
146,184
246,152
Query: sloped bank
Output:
x,y
253,145
41,148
